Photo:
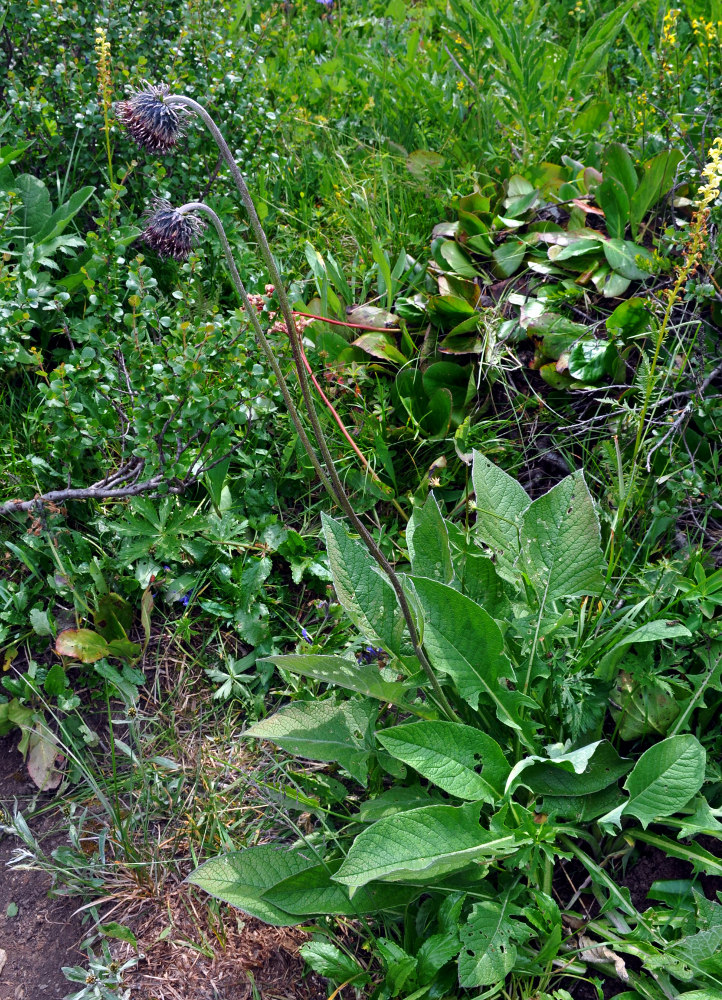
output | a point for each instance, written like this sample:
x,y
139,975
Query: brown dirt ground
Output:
x,y
187,952
45,934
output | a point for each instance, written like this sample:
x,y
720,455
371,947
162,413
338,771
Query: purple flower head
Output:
x,y
150,121
169,232
305,635
328,4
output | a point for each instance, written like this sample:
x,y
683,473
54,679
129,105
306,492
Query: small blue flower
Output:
x,y
328,4
305,635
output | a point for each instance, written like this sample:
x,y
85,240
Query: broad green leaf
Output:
x,y
82,644
500,502
577,773
312,891
332,963
665,778
113,617
364,678
465,642
617,163
323,730
475,574
36,207
366,596
508,257
591,360
657,177
426,842
614,202
460,759
63,215
428,542
561,542
56,681
458,261
241,878
630,318
380,345
489,942
622,257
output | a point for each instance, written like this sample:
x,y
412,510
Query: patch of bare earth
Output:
x,y
43,935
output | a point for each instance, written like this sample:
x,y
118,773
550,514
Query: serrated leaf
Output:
x,y
324,731
465,642
428,542
426,842
460,759
500,502
241,878
367,598
665,778
561,542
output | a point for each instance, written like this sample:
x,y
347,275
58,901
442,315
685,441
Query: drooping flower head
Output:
x,y
155,125
170,232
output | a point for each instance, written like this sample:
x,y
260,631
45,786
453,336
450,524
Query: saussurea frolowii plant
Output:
x,y
156,119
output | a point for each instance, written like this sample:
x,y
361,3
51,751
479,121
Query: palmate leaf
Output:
x,y
324,731
460,759
465,642
422,843
561,542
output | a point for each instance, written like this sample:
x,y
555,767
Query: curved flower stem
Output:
x,y
338,492
199,206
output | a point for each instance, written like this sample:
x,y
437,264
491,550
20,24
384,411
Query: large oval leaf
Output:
x,y
430,841
665,778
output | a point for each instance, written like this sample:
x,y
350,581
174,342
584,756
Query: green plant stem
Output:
x,y
629,489
337,492
198,206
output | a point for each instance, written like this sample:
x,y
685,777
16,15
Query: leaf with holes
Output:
x,y
489,941
561,542
460,759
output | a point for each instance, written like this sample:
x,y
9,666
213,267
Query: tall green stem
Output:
x,y
334,488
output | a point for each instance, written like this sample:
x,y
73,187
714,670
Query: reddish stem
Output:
x,y
355,326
